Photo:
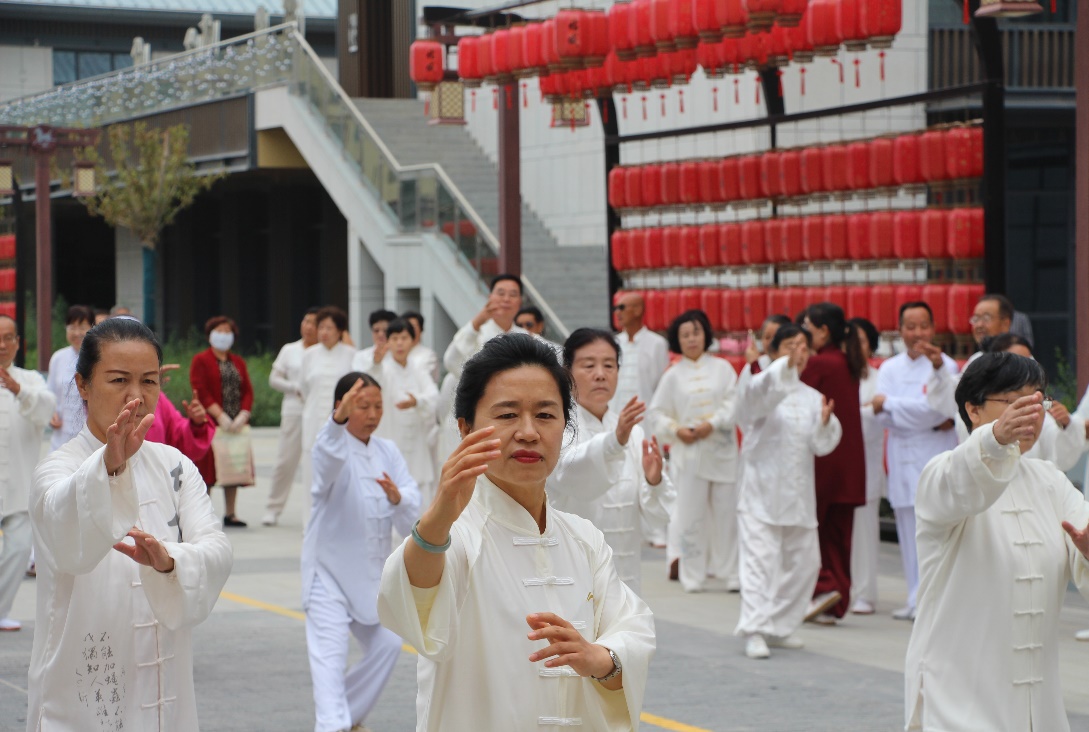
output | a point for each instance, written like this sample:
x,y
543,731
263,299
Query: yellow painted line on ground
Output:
x,y
653,719
13,686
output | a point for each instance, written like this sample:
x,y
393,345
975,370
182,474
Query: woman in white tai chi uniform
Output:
x,y
612,475
789,424
516,610
362,490
1000,537
130,555
694,407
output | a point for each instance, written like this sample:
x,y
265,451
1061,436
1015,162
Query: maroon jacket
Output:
x,y
204,378
841,475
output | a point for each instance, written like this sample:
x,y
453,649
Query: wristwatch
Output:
x,y
617,667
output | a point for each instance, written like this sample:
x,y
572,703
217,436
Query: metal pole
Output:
x,y
1081,196
510,182
45,260
611,128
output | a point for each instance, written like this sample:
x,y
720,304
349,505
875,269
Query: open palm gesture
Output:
x,y
125,436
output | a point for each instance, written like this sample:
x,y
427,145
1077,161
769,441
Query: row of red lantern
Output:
x,y
8,309
912,158
7,280
739,310
7,246
920,234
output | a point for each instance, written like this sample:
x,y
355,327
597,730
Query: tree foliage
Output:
x,y
149,180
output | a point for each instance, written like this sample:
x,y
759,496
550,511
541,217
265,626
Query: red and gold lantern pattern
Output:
x,y
425,65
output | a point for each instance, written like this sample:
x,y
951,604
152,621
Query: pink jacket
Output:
x,y
174,429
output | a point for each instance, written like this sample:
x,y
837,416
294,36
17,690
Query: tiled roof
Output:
x,y
313,8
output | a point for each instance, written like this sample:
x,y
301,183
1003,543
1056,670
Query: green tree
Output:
x,y
148,181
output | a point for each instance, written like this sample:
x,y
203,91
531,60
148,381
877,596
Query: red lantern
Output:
x,y
881,21
620,30
660,30
671,246
881,163
858,302
655,308
532,56
811,171
705,20
690,183
671,184
617,188
883,309
425,64
790,180
639,28
682,24
638,246
859,242
770,176
501,43
778,42
755,304
965,233
732,309
729,179
932,234
469,61
599,46
484,56
679,65
572,37
752,242
858,165
729,244
905,294
813,238
932,156
937,297
711,303
905,234
619,250
633,183
849,25
790,13
962,301
710,253
905,159
773,238
654,247
516,51
761,14
733,18
821,27
690,247
834,163
801,50
749,177
709,57
835,237
791,240
652,185
962,152
709,185
882,224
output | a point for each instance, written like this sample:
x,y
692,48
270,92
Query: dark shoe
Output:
x,y
675,570
33,571
232,521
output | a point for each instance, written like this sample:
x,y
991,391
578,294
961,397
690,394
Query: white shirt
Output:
x,y
426,360
911,388
349,534
873,437
408,428
643,359
319,373
106,626
468,341
994,563
697,391
1082,412
284,377
22,428
778,483
61,380
470,630
603,481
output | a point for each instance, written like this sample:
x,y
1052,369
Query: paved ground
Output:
x,y
251,670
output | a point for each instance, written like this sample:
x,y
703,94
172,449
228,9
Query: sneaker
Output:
x,y
270,519
791,642
756,647
862,607
32,570
821,604
8,625
904,613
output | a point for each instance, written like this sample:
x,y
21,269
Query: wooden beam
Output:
x,y
1081,196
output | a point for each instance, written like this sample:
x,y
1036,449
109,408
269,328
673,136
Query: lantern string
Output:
x,y
624,106
882,57
714,97
737,92
662,97
644,107
525,96
495,97
680,94
758,82
802,72
472,97
779,74
858,74
840,67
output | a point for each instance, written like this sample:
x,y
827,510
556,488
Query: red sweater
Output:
x,y
204,378
841,475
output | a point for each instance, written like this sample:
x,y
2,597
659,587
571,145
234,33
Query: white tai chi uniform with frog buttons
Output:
x,y
703,529
61,381
777,510
866,533
409,429
474,671
113,639
319,373
468,341
911,387
284,378
23,418
644,357
995,564
346,544
603,481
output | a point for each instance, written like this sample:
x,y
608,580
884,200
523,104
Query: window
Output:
x,y
69,66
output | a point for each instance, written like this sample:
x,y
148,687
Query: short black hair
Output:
x,y
112,330
531,310
689,316
503,353
348,381
1003,342
79,313
400,325
870,330
381,316
915,304
996,373
583,337
415,315
312,310
506,277
788,331
338,316
1005,307
778,318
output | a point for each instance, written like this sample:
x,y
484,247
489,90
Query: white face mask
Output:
x,y
221,341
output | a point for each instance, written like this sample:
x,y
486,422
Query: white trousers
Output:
x,y
703,530
288,453
18,541
905,534
865,549
779,567
341,699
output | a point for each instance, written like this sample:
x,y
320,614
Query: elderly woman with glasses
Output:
x,y
1000,536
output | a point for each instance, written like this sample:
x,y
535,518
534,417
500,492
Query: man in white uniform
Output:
x,y
916,430
992,316
496,317
644,355
421,356
26,404
379,320
68,419
284,378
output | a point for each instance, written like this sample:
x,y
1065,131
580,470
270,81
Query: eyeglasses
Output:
x,y
985,319
9,340
619,308
526,324
1047,403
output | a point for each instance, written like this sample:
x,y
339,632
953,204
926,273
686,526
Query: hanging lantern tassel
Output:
x,y
758,82
644,107
802,72
737,92
472,101
967,18
882,57
495,97
624,106
662,96
714,97
779,73
525,97
680,95
840,67
858,73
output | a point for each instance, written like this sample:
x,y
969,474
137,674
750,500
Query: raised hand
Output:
x,y
387,484
752,353
125,436
195,410
1080,538
567,647
380,350
1018,421
147,551
458,477
652,461
1058,411
828,406
7,381
932,352
631,415
164,370
347,403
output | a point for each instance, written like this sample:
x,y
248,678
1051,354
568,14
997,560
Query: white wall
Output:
x,y
25,70
562,171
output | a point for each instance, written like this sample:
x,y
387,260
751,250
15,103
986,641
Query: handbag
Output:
x,y
233,453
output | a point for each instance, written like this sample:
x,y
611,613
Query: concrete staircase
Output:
x,y
572,280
